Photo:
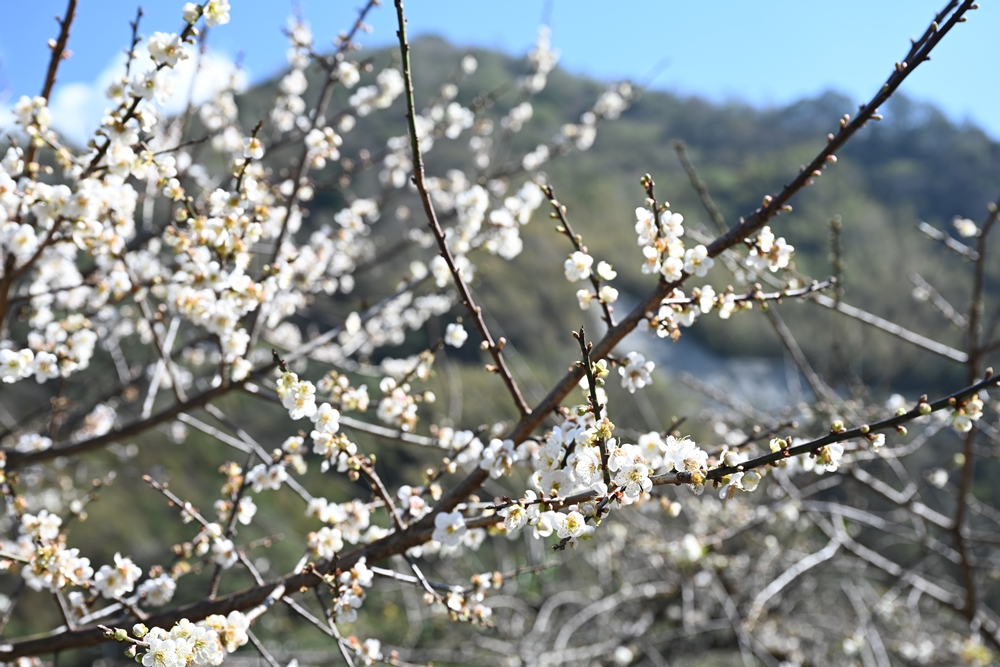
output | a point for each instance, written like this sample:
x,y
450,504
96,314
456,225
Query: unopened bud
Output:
x,y
120,635
925,408
901,429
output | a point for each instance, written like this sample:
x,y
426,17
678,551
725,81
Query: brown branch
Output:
x,y
595,404
969,456
920,50
58,54
425,198
921,409
17,459
320,114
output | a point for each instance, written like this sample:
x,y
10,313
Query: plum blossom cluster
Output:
x,y
967,414
573,459
187,644
631,467
48,564
659,234
350,521
768,252
665,253
579,266
289,107
351,586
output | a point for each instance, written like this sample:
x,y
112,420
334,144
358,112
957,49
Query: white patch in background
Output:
x,y
6,119
77,108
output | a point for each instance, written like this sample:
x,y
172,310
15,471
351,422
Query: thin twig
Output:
x,y
699,186
58,54
559,212
419,181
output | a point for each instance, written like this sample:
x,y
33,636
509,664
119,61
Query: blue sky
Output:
x,y
768,52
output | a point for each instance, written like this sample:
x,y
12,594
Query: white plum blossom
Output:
x,y
44,526
245,510
32,442
411,501
263,476
636,372
706,300
685,456
327,542
499,457
455,335
577,267
672,269
673,224
224,552
298,397
965,227
645,226
253,148
159,591
572,525
965,416
15,364
742,481
651,264
652,448
828,457
216,12
514,516
167,48
633,478
114,582
768,252
697,262
449,528
608,294
326,419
